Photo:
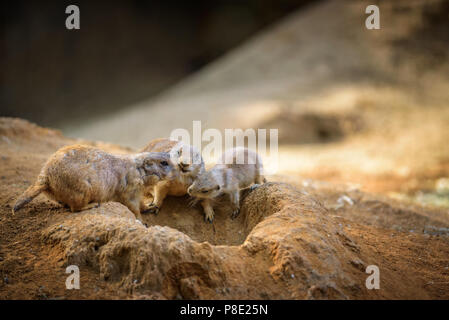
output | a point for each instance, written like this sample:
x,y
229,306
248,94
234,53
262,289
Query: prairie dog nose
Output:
x,y
183,165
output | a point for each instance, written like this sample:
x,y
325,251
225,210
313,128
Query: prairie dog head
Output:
x,y
155,166
207,185
188,159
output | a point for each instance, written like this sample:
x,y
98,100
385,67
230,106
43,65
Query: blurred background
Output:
x,y
125,51
363,107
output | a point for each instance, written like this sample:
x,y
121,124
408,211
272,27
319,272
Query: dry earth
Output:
x,y
295,240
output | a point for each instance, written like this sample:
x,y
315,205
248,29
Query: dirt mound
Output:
x,y
289,242
288,230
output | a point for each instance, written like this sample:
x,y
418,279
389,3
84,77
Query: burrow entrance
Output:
x,y
178,214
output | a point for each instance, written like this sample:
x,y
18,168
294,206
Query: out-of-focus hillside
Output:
x,y
322,54
367,107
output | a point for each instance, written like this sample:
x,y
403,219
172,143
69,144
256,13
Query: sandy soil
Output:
x,y
292,240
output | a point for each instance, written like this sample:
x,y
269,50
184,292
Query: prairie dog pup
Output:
x,y
228,178
78,175
188,164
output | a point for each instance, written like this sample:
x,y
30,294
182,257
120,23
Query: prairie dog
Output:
x,y
79,175
188,164
228,176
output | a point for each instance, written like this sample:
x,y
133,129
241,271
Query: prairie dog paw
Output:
x,y
152,208
235,213
209,217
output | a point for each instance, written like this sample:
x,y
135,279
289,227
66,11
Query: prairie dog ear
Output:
x,y
149,161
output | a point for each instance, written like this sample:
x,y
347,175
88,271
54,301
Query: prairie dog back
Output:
x,y
246,165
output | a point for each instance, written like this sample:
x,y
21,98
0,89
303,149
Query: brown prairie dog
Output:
x,y
188,164
228,177
79,175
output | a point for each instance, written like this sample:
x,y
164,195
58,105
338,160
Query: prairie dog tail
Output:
x,y
29,194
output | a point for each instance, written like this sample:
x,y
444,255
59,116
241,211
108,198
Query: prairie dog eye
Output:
x,y
205,191
164,163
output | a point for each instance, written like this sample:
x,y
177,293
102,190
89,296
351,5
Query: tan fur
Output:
x,y
186,170
79,175
229,179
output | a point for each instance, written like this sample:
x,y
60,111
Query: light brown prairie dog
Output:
x,y
188,164
228,177
79,175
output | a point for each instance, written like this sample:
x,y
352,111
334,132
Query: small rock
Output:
x,y
358,264
342,200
